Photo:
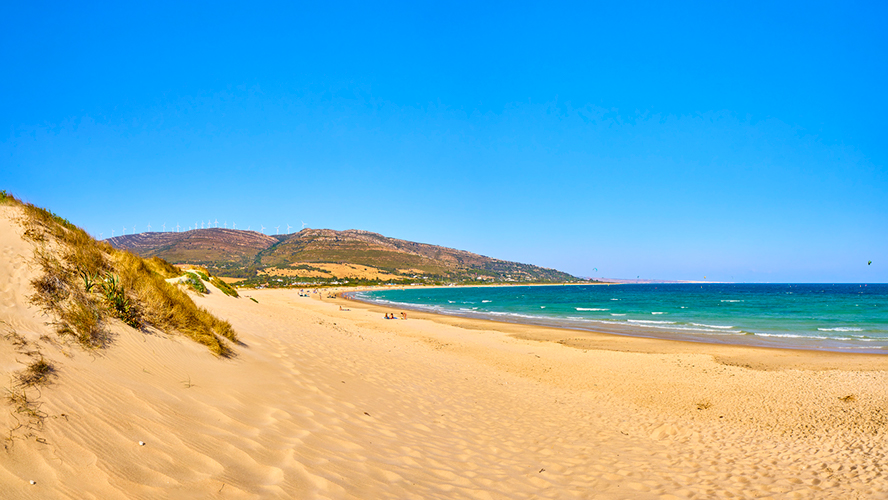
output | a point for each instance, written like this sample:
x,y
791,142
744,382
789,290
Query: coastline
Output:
x,y
584,333
729,353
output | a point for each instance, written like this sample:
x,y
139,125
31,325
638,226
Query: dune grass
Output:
x,y
195,276
168,308
162,267
225,287
85,283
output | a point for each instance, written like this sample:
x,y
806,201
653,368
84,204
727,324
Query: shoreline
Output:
x,y
747,339
728,353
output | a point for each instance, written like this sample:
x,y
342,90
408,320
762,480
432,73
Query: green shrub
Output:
x,y
192,280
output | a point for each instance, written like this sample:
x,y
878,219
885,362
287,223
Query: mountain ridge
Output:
x,y
322,253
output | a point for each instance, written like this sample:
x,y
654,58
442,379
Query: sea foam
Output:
x,y
712,326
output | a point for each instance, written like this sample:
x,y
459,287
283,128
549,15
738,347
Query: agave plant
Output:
x,y
89,280
118,301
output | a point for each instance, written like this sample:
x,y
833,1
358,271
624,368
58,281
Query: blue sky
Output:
x,y
742,142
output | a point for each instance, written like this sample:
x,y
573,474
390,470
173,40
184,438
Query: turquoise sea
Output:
x,y
839,317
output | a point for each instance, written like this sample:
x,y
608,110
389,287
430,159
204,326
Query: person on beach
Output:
x,y
403,315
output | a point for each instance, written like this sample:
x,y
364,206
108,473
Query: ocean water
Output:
x,y
840,317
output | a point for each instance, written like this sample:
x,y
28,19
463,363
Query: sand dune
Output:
x,y
322,403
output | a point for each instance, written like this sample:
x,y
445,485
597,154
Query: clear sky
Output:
x,y
743,142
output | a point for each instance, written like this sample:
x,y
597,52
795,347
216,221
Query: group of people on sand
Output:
x,y
392,316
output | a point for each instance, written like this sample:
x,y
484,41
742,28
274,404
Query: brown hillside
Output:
x,y
197,245
369,249
230,252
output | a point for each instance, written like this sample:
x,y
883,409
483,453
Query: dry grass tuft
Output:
x,y
704,405
850,398
163,268
19,399
37,373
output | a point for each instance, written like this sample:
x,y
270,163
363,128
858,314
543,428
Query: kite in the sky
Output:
x,y
869,263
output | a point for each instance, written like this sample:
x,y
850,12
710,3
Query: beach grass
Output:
x,y
225,287
84,283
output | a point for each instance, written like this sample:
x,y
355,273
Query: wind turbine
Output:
x,y
233,225
288,228
277,229
149,227
177,227
263,228
164,227
124,231
303,224
112,233
217,222
226,224
134,229
101,236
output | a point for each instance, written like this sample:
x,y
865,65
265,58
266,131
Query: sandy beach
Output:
x,y
320,402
